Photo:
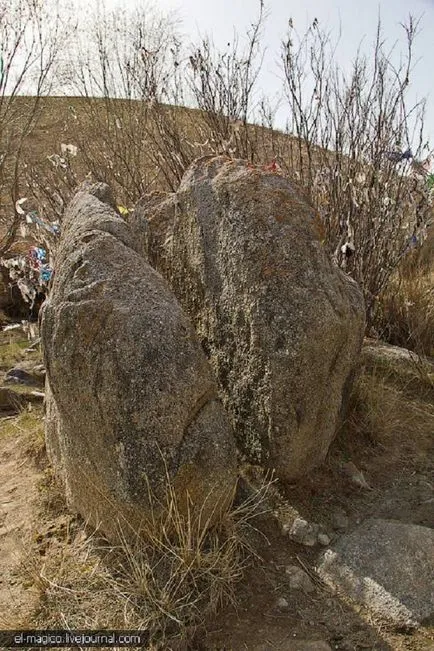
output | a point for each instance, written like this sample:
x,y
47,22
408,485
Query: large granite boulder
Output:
x,y
131,399
281,325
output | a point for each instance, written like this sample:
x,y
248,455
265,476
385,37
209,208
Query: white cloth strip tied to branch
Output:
x,y
33,218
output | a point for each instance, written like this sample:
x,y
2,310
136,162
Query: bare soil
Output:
x,y
404,494
18,497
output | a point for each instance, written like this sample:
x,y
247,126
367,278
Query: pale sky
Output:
x,y
356,18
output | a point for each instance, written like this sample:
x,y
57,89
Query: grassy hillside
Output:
x,y
138,147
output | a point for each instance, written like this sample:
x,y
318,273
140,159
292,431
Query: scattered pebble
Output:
x,y
299,579
303,532
282,604
355,475
324,539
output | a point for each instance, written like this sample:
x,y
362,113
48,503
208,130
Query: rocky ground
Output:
x,y
284,602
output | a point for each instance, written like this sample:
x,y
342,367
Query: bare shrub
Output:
x,y
350,132
32,35
50,183
126,70
223,85
134,77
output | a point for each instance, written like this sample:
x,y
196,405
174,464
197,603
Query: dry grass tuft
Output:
x,y
382,415
169,579
407,311
11,350
27,425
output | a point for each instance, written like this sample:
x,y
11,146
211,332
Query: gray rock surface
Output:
x,y
131,397
340,520
21,376
388,566
281,325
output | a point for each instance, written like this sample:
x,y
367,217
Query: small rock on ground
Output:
x,y
20,376
324,539
303,532
298,579
282,604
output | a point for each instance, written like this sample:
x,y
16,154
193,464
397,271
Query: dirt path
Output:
x,y
18,513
